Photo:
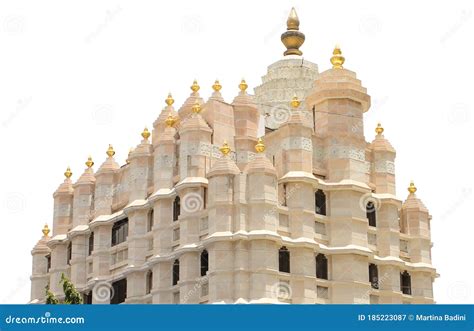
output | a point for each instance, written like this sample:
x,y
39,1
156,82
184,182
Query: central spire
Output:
x,y
292,38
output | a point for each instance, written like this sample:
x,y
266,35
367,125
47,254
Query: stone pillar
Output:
x,y
82,213
105,186
339,101
388,233
63,199
298,159
141,169
389,284
194,158
383,170
263,216
246,119
416,218
101,254
39,275
58,246
165,157
137,248
221,220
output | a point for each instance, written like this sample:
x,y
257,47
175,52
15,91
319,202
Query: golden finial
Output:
x,y
196,107
130,151
260,147
225,149
295,102
195,87
337,59
45,230
110,151
89,162
146,134
293,22
217,86
243,85
412,188
170,120
293,39
68,173
379,129
169,100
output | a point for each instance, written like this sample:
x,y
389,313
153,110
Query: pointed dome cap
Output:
x,y
109,164
88,175
41,245
66,186
225,165
293,39
412,201
260,163
380,143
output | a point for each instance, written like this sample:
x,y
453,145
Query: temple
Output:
x,y
207,211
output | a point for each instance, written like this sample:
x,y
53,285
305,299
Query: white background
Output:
x,y
76,76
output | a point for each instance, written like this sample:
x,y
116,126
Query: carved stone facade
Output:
x,y
205,212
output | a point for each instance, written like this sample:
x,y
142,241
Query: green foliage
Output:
x,y
72,296
50,298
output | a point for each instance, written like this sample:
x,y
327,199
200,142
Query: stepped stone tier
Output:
x,y
205,211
